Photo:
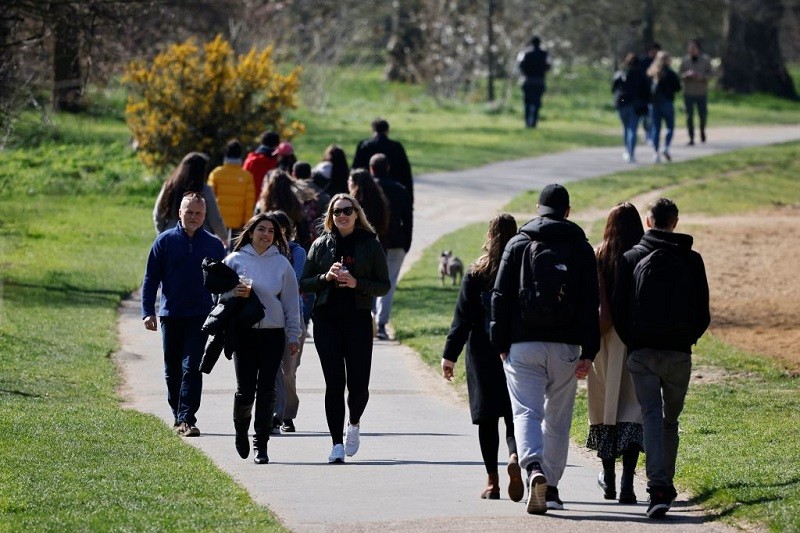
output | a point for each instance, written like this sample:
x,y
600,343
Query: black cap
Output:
x,y
554,201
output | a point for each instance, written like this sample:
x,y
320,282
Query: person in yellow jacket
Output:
x,y
233,187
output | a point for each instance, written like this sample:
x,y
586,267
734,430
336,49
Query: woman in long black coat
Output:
x,y
486,381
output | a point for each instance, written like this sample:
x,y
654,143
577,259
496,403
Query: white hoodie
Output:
x,y
275,285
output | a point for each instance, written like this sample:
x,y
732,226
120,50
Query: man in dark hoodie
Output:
x,y
545,347
380,143
660,309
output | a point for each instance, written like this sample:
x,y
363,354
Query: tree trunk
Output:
x,y
752,60
67,81
405,43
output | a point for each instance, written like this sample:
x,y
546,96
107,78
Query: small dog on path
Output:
x,y
450,265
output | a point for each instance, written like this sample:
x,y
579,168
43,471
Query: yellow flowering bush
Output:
x,y
197,98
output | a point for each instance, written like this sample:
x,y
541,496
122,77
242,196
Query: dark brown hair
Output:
x,y
278,193
501,229
623,230
246,236
372,199
189,176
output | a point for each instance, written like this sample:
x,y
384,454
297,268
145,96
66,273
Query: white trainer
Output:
x,y
337,454
352,439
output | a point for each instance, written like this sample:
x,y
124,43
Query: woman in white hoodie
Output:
x,y
259,257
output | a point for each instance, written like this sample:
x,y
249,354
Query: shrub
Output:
x,y
196,99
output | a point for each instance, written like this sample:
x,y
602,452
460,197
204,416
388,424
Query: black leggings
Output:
x,y
256,360
344,345
489,438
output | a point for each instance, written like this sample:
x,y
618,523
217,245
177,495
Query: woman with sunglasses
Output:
x,y
346,268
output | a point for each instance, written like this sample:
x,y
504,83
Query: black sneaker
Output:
x,y
537,487
276,426
552,499
660,501
288,426
382,334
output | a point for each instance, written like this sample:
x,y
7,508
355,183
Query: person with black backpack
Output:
x,y
660,309
533,63
545,325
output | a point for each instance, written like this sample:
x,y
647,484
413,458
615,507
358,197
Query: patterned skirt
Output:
x,y
611,441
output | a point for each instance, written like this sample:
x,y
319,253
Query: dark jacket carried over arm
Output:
x,y
230,314
624,291
506,322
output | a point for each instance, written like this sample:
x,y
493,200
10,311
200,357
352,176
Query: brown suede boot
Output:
x,y
492,490
516,488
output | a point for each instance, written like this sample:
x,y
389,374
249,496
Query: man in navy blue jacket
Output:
x,y
174,264
660,309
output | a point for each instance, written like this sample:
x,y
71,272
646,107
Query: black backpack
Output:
x,y
661,305
547,287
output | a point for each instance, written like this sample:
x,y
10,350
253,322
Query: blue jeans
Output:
x,y
183,343
541,384
630,125
663,110
661,379
383,304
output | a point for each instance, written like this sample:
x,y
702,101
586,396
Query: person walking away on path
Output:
x,y
233,187
660,309
259,257
545,325
369,194
287,402
664,83
346,268
695,72
286,158
261,161
397,240
615,418
644,63
533,63
189,176
314,198
174,265
279,194
486,381
380,143
334,167
631,96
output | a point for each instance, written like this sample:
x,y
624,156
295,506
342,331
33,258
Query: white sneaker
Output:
x,y
352,439
656,158
626,156
337,454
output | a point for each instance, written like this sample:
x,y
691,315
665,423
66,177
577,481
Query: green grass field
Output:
x,y
75,207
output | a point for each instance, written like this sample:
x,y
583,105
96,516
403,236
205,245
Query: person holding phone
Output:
x,y
346,268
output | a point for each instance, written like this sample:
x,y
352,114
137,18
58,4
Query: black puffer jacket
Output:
x,y
506,325
229,315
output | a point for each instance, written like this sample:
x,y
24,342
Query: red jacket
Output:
x,y
258,164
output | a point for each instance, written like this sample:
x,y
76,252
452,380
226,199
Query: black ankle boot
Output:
x,y
629,459
260,450
242,444
607,479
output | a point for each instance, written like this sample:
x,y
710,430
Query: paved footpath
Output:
x,y
419,467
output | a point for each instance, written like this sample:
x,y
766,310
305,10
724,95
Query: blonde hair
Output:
x,y
659,62
361,218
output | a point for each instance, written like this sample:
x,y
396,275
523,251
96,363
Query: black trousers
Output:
x,y
256,360
344,345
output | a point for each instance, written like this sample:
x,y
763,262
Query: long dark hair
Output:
x,y
623,230
278,193
501,229
339,169
372,199
246,236
189,176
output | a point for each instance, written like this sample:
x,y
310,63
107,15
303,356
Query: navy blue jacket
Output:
x,y
175,264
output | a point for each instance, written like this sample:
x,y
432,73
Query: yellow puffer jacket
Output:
x,y
233,187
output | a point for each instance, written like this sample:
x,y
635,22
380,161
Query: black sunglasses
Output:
x,y
346,210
